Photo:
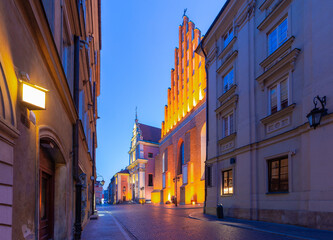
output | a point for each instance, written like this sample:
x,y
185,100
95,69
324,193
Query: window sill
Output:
x,y
227,61
277,193
227,138
227,48
231,100
228,93
281,67
227,195
265,5
273,15
278,120
278,114
266,64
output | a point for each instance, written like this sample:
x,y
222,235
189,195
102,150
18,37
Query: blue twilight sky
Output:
x,y
138,42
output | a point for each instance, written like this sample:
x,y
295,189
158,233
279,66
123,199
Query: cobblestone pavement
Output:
x,y
147,222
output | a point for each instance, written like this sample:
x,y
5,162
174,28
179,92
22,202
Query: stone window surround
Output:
x,y
227,66
227,61
281,8
290,154
279,70
280,12
277,83
227,48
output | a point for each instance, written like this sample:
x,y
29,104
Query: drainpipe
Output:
x,y
93,174
93,207
207,132
78,185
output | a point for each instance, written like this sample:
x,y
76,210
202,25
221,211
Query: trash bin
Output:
x,y
219,211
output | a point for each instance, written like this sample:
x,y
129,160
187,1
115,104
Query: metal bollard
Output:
x,y
219,211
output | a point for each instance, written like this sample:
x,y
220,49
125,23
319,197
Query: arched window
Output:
x,y
163,162
203,150
181,158
182,153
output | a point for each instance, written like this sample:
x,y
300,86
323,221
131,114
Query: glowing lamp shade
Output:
x,y
33,96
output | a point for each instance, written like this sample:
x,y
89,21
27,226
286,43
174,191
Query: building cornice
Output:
x,y
136,162
297,131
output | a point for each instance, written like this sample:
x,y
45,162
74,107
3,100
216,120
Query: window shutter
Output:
x,y
273,100
284,93
231,119
282,32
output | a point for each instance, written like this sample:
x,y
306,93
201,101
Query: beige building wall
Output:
x,y
262,136
33,51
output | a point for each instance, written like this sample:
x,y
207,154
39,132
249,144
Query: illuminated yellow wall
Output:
x,y
188,78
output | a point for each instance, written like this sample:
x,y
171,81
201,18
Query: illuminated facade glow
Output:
x,y
188,78
178,167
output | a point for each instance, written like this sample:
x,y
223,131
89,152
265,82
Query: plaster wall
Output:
x,y
259,135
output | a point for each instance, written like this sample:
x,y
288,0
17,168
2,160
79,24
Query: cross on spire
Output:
x,y
185,10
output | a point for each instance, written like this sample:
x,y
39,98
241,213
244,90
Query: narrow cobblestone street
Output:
x,y
146,222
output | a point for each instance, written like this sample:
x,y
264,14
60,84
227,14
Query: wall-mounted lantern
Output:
x,y
314,117
33,96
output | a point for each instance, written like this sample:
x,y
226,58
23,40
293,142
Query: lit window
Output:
x,y
228,80
228,124
277,36
278,175
278,96
228,37
227,188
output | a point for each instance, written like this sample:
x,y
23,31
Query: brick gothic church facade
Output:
x,y
179,167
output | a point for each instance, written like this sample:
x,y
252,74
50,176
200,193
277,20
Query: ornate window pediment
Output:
x,y
227,60
281,65
274,13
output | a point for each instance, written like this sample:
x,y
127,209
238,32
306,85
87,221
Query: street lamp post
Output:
x,y
175,180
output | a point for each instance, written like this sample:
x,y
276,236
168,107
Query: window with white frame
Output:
x,y
228,80
228,124
228,37
277,36
227,184
278,96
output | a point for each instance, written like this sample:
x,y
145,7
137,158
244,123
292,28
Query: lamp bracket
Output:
x,y
321,100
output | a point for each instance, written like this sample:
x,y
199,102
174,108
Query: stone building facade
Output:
x,y
143,150
49,60
179,167
266,60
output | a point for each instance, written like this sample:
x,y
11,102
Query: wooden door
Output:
x,y
46,196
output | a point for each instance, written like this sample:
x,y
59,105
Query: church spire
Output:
x,y
136,114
